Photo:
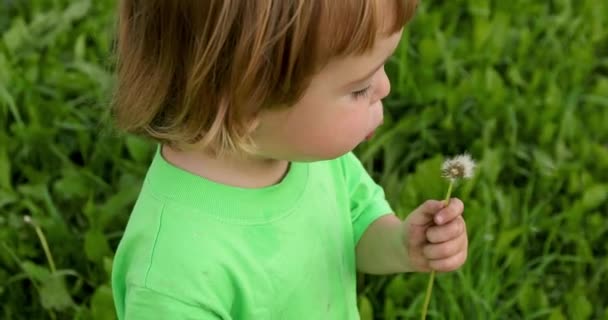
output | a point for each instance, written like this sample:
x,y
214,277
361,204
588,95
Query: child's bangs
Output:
x,y
351,27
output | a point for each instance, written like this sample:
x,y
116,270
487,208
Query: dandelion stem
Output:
x,y
429,287
427,297
447,197
45,247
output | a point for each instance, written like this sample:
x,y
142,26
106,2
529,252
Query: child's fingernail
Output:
x,y
439,219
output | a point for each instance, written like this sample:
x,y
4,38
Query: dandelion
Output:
x,y
459,167
45,246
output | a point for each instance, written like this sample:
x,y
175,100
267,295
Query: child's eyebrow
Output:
x,y
371,73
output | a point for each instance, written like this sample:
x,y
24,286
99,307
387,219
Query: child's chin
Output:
x,y
333,154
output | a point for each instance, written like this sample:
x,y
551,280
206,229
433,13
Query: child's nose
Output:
x,y
383,88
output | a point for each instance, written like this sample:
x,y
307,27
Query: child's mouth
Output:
x,y
370,135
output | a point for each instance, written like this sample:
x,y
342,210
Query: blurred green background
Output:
x,y
522,85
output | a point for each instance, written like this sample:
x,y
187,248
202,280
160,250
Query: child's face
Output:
x,y
338,111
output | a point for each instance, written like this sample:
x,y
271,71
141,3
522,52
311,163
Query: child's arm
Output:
x,y
432,237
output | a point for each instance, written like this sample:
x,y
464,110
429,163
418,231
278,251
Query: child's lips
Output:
x,y
370,135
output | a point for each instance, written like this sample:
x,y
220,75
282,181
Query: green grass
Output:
x,y
521,85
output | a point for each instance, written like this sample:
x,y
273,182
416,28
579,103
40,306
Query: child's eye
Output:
x,y
363,93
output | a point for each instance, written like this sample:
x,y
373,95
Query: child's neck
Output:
x,y
229,170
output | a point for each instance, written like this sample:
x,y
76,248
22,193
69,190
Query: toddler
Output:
x,y
254,206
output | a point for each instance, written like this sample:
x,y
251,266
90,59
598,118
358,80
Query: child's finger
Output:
x,y
449,264
425,212
454,209
445,249
446,232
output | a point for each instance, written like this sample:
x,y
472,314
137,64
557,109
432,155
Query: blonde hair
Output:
x,y
193,71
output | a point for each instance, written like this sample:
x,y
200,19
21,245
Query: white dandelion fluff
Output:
x,y
461,166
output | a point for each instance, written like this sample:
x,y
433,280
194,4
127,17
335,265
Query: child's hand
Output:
x,y
435,236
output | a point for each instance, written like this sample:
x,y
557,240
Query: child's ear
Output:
x,y
253,123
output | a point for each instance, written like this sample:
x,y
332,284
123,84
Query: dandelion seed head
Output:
x,y
27,219
461,166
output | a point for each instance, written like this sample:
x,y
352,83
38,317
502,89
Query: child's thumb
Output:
x,y
424,214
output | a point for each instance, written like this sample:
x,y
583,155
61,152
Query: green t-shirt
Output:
x,y
196,249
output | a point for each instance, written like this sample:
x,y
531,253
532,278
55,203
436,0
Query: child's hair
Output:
x,y
201,70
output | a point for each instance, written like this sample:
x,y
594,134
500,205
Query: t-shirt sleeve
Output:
x,y
367,199
143,303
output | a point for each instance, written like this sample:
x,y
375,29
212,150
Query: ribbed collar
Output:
x,y
235,204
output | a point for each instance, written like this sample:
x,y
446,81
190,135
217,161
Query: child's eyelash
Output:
x,y
361,93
